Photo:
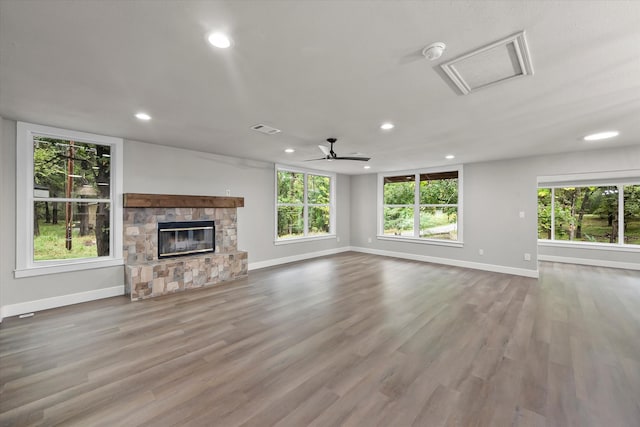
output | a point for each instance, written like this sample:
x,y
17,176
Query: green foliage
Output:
x,y
290,187
544,213
318,189
440,191
435,222
399,193
291,193
589,213
86,167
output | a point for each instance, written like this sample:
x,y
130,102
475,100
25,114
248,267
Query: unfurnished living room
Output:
x,y
319,213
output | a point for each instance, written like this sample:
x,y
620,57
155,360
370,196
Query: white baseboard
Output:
x,y
454,262
592,262
60,301
294,258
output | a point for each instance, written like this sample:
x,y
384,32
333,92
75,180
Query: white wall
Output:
x,y
17,293
494,195
156,169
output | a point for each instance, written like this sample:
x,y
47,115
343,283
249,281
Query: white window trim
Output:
x,y
413,239
25,265
332,206
592,179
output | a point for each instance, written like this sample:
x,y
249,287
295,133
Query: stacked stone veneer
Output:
x,y
147,276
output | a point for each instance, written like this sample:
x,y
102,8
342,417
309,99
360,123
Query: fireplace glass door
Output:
x,y
185,238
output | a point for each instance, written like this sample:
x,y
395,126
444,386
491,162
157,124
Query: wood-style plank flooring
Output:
x,y
351,340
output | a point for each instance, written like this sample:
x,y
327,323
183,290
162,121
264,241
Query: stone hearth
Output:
x,y
147,276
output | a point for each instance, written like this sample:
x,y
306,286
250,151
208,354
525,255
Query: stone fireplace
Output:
x,y
174,243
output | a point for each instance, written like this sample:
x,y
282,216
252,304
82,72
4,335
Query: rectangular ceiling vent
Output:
x,y
265,129
498,62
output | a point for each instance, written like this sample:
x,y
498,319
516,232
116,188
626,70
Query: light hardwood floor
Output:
x,y
351,339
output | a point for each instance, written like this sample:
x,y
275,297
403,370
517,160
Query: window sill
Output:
x,y
303,239
591,246
41,270
423,241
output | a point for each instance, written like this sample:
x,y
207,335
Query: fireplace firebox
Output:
x,y
185,238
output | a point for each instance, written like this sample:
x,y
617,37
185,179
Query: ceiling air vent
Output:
x,y
265,129
498,62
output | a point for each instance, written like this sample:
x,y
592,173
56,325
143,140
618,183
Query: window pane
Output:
x,y
632,214
86,237
398,221
438,191
544,213
319,220
587,214
69,169
290,187
439,223
399,190
318,188
290,221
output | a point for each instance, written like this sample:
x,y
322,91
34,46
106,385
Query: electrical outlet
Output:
x,y
521,214
228,192
527,257
369,240
480,251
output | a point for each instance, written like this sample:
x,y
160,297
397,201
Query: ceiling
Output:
x,y
319,69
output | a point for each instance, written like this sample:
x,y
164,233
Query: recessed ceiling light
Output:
x,y
289,150
602,135
387,126
449,156
219,40
143,116
367,167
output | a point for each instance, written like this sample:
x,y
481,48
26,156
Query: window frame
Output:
x,y
417,205
619,179
305,205
26,266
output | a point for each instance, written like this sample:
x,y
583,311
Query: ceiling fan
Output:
x,y
330,155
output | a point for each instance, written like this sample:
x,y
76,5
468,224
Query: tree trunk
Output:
x,y
68,211
54,217
83,213
102,229
103,213
572,225
36,225
614,230
583,206
47,214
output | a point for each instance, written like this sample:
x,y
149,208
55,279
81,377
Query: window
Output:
x,y
69,213
607,214
424,205
304,204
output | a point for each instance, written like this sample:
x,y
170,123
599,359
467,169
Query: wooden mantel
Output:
x,y
140,200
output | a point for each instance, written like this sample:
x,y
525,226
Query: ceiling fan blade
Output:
x,y
324,149
362,159
313,160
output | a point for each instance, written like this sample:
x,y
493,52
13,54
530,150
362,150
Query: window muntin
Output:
x,y
69,186
304,204
608,214
421,204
